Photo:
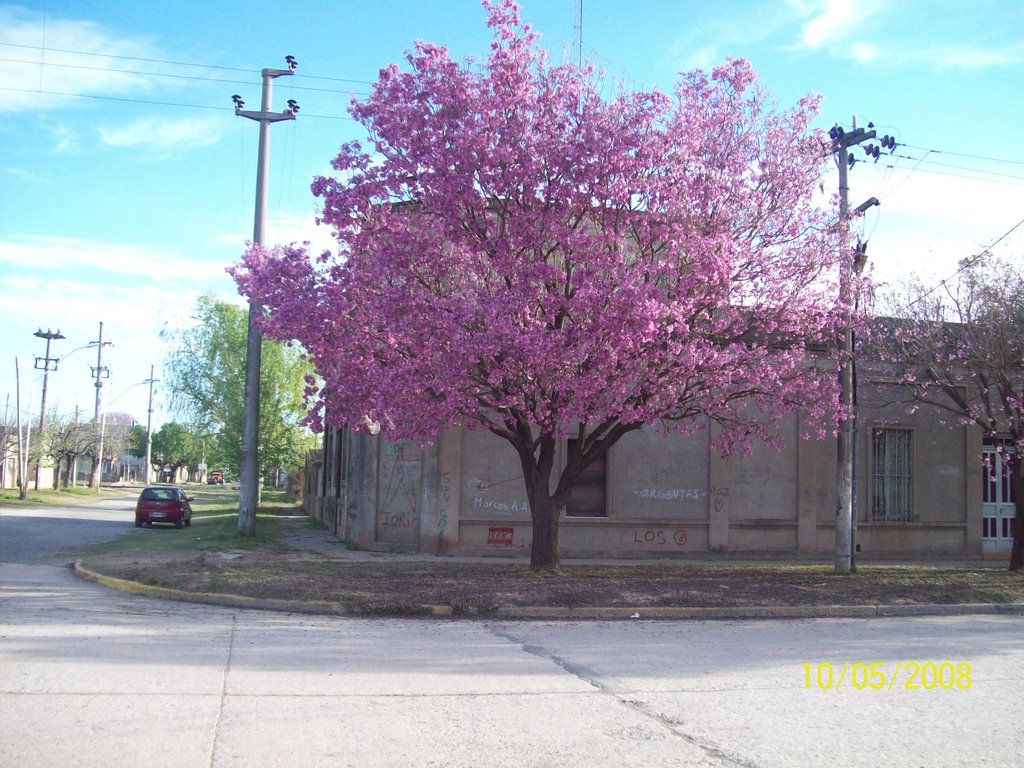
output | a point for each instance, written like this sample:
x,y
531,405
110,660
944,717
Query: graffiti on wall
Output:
x,y
398,500
444,498
657,537
672,494
495,505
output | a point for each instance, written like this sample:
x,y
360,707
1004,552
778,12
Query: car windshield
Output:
x,y
160,494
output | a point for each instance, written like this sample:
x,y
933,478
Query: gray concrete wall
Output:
x,y
668,495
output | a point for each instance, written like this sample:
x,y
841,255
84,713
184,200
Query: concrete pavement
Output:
x,y
96,677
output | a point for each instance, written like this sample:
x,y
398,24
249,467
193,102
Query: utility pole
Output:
x,y
249,481
149,429
49,336
101,372
22,447
850,262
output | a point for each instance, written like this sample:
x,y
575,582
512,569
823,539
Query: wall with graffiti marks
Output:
x,y
399,495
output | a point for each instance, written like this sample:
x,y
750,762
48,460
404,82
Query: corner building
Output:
x,y
923,489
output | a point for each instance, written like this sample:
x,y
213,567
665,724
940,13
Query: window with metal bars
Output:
x,y
892,475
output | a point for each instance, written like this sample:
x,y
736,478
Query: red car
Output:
x,y
163,504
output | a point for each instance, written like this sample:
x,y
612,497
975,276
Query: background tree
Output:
x,y
67,439
961,348
135,441
174,447
523,255
205,376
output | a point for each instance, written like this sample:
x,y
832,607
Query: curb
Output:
x,y
211,598
324,607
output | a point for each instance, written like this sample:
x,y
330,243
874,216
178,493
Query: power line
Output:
x,y
1014,181
960,167
963,154
161,61
124,58
167,75
964,265
125,99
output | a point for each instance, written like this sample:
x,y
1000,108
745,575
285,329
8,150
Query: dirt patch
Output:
x,y
482,588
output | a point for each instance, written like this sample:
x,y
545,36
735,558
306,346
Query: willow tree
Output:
x,y
204,374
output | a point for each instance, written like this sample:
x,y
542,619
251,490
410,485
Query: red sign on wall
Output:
x,y
500,536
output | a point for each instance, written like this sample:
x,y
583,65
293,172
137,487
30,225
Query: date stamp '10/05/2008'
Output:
x,y
882,676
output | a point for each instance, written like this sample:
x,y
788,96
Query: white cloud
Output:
x,y
974,58
870,30
155,133
41,63
136,291
927,223
703,57
863,52
282,228
23,176
836,25
833,20
45,254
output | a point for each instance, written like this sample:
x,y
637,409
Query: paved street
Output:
x,y
94,677
43,534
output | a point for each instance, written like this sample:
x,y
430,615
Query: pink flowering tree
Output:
x,y
960,348
525,250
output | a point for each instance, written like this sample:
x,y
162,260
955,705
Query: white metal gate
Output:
x,y
997,506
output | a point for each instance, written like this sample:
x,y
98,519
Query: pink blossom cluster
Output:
x,y
515,246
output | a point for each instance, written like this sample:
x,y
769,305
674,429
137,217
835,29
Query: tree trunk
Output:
x,y
1017,486
545,554
544,509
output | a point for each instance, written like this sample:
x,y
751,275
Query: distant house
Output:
x,y
8,457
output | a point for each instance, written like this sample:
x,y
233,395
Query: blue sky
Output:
x,y
127,183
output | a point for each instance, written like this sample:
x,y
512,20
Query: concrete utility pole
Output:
x,y
149,429
101,372
850,262
248,497
49,336
22,448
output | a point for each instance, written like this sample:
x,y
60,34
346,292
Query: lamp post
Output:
x,y
100,372
149,428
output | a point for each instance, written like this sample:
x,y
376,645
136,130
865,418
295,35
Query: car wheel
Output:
x,y
138,523
179,522
188,522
